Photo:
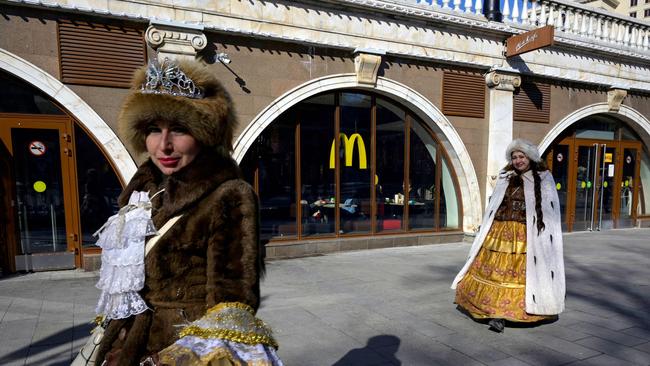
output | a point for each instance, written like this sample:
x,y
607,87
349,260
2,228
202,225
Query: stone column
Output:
x,y
502,83
175,40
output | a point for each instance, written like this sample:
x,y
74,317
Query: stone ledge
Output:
x,y
92,262
282,250
643,222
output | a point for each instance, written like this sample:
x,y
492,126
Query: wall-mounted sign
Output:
x,y
37,148
609,157
349,143
529,41
40,186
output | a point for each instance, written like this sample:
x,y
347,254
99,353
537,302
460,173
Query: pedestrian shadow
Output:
x,y
70,335
380,349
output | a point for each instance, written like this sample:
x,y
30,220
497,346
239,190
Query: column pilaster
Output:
x,y
501,84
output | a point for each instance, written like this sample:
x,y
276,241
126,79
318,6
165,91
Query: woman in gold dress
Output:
x,y
515,270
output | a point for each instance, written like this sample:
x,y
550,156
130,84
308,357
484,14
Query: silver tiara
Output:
x,y
167,78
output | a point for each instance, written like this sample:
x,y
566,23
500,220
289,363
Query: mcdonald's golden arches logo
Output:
x,y
349,150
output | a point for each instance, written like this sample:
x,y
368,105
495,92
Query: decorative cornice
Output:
x,y
417,12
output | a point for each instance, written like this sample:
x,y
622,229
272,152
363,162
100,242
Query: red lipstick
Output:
x,y
168,162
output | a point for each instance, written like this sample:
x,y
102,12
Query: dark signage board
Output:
x,y
529,41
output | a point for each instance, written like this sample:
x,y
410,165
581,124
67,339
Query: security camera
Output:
x,y
223,58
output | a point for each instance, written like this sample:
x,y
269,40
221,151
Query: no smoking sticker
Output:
x,y
37,148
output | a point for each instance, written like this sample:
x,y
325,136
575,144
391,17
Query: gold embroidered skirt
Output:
x,y
495,285
228,335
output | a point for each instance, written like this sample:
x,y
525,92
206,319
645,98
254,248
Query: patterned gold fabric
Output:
x,y
495,286
513,206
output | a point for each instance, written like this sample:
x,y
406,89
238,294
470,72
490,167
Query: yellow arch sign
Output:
x,y
349,150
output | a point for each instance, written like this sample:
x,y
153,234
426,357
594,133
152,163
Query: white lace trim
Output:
x,y
122,239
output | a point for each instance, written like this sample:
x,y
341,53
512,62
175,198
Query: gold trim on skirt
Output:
x,y
495,285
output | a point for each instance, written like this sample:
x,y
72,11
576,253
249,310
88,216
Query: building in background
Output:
x,y
639,9
363,124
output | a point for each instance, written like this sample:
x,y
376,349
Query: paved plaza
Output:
x,y
382,307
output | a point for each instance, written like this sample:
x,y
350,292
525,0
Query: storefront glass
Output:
x,y
389,177
422,178
318,190
17,96
373,178
98,186
644,192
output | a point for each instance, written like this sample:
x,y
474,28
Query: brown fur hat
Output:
x,y
210,120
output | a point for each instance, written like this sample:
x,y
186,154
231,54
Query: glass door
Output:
x,y
41,152
628,168
595,190
606,177
585,189
559,163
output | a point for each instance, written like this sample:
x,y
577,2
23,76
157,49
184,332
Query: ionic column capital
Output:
x,y
502,80
175,40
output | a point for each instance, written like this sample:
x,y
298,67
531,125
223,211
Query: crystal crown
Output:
x,y
168,78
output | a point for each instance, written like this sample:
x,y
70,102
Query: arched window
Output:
x,y
350,163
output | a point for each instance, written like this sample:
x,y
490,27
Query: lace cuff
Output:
x,y
122,239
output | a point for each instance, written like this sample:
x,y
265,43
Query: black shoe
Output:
x,y
497,325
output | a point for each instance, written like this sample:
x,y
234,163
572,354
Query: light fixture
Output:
x,y
222,57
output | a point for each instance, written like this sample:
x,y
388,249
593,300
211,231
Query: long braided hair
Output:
x,y
536,168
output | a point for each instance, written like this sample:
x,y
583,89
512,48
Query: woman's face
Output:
x,y
170,146
520,161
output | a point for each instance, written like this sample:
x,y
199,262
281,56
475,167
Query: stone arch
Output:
x,y
458,155
637,121
76,107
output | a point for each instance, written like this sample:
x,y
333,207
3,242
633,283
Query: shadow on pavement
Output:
x,y
65,336
381,348
614,288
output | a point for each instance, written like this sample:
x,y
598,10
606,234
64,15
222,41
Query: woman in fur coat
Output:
x,y
209,262
515,267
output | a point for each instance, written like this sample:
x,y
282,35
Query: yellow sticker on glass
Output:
x,y
605,184
558,186
583,184
40,186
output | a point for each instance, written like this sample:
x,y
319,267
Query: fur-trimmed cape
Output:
x,y
211,255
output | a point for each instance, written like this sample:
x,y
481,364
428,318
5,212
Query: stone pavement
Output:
x,y
383,307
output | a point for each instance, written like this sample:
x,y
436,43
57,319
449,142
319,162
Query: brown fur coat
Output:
x,y
212,254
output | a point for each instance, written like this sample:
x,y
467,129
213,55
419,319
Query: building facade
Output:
x,y
363,124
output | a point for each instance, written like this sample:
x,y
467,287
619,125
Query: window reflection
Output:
x,y
276,174
449,213
354,207
389,180
317,177
98,185
422,177
16,96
